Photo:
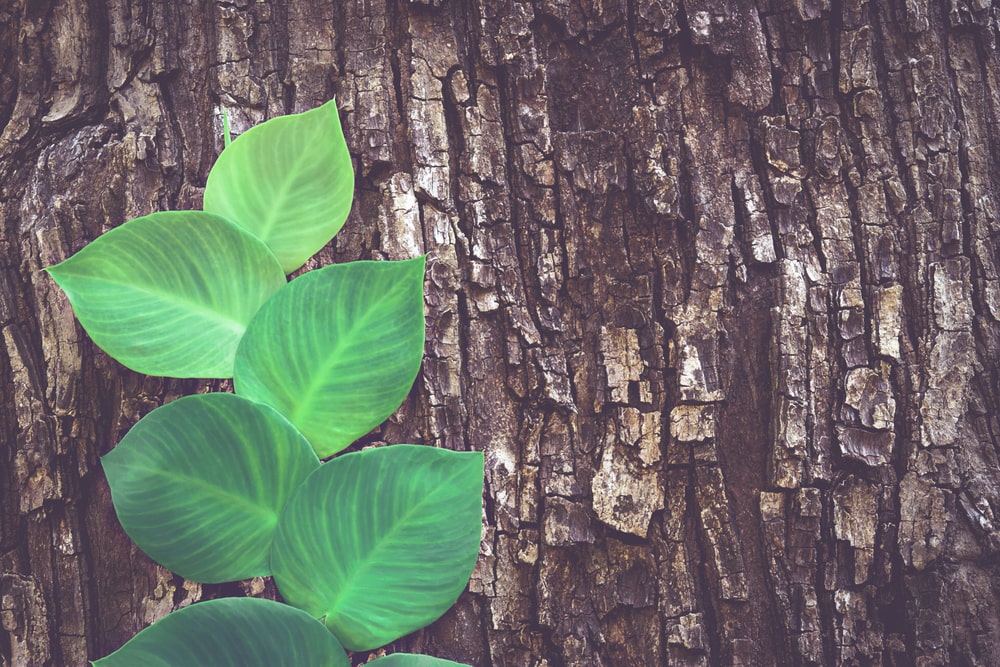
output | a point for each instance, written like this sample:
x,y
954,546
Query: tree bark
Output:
x,y
713,284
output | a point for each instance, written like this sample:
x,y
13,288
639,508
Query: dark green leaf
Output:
x,y
411,660
199,483
381,542
232,632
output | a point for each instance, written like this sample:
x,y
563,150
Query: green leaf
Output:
x,y
198,484
381,542
412,660
232,632
170,293
289,181
227,137
337,350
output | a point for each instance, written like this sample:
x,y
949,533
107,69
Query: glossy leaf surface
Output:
x,y
337,350
412,660
381,542
170,293
198,484
289,181
232,632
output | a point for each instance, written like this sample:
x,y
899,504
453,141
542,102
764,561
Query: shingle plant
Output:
x,y
218,487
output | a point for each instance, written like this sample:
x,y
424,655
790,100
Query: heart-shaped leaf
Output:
x,y
288,181
337,350
170,293
232,632
381,542
198,484
412,660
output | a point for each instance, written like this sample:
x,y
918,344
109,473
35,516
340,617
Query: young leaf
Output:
x,y
412,660
381,542
337,350
289,181
198,484
170,293
232,632
227,137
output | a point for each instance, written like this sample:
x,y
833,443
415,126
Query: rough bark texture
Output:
x,y
712,282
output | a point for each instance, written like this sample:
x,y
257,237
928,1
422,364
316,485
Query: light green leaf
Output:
x,y
232,632
412,660
170,293
337,350
289,181
198,484
381,542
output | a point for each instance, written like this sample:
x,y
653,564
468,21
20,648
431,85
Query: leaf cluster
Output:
x,y
219,487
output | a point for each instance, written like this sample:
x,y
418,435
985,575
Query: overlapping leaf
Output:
x,y
412,660
381,542
232,632
337,350
288,181
170,293
198,484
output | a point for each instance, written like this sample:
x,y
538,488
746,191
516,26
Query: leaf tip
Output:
x,y
418,261
53,270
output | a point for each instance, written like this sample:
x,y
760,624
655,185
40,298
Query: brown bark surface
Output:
x,y
713,283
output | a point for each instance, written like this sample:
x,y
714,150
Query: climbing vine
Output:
x,y
218,487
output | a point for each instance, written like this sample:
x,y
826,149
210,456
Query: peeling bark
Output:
x,y
713,284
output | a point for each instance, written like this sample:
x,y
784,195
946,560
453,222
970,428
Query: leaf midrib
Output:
x,y
278,201
319,378
257,509
228,321
382,542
